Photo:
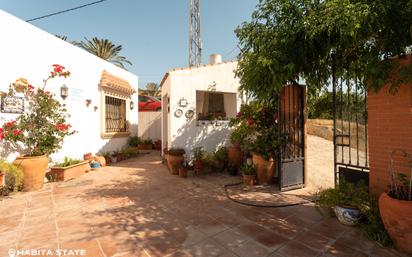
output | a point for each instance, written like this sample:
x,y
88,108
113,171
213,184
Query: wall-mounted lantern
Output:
x,y
131,105
64,91
183,102
88,102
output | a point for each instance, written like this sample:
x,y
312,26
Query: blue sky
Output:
x,y
153,33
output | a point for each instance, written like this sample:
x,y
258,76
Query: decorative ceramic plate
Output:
x,y
178,113
189,114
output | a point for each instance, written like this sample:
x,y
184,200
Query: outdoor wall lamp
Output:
x,y
88,102
131,105
183,102
64,91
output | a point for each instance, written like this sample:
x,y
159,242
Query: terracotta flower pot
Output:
x,y
145,146
87,156
108,160
197,164
249,180
397,219
174,162
265,169
182,172
34,170
234,155
158,145
70,172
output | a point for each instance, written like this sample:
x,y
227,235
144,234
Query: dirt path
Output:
x,y
320,162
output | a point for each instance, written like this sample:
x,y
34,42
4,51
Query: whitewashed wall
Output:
x,y
150,125
26,51
188,133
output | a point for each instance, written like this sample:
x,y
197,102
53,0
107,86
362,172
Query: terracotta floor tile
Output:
x,y
295,249
315,241
135,208
207,247
251,249
230,239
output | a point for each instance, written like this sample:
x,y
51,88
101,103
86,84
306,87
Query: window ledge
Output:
x,y
115,134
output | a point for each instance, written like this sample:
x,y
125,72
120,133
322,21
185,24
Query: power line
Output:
x,y
64,11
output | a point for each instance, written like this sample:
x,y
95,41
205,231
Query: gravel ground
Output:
x,y
320,162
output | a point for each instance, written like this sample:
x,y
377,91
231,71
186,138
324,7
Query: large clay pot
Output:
x,y
265,169
397,218
234,155
249,180
174,163
34,170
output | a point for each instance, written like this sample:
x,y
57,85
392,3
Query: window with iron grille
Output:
x,y
115,114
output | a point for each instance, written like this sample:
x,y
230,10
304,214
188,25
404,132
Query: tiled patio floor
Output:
x,y
138,209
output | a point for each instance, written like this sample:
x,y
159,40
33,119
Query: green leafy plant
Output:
x,y
373,226
345,194
208,159
13,177
221,154
147,141
68,162
134,141
41,128
176,151
247,169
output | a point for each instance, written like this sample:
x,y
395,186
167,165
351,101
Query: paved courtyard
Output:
x,y
137,209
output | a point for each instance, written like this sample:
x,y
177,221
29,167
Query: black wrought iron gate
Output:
x,y
292,124
350,130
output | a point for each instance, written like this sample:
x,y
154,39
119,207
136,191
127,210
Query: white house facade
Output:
x,y
197,103
97,90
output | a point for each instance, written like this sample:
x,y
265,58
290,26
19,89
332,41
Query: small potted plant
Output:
x,y
183,170
12,178
220,158
157,144
175,160
133,143
68,169
395,206
146,144
249,174
106,156
198,155
347,202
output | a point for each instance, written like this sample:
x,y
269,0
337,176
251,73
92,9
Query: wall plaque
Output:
x,y
12,104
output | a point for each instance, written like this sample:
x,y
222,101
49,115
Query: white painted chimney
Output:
x,y
215,59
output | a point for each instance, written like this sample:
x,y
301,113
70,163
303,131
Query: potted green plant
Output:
x,y
175,160
249,174
348,201
220,158
395,206
157,144
198,155
37,132
106,156
68,169
12,177
146,144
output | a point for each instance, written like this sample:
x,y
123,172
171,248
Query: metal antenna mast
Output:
x,y
195,40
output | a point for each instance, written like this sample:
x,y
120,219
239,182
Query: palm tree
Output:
x,y
104,49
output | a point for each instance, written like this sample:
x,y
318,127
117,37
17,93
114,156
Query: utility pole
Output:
x,y
195,40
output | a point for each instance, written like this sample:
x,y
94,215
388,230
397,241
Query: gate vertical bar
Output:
x,y
334,119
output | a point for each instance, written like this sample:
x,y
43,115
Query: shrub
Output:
x,y
68,162
221,154
13,176
247,169
134,141
198,153
147,142
42,127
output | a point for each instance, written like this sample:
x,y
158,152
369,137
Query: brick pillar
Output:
x,y
389,127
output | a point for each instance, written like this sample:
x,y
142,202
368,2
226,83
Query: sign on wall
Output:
x,y
12,104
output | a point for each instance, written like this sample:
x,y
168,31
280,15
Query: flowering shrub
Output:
x,y
41,128
256,129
